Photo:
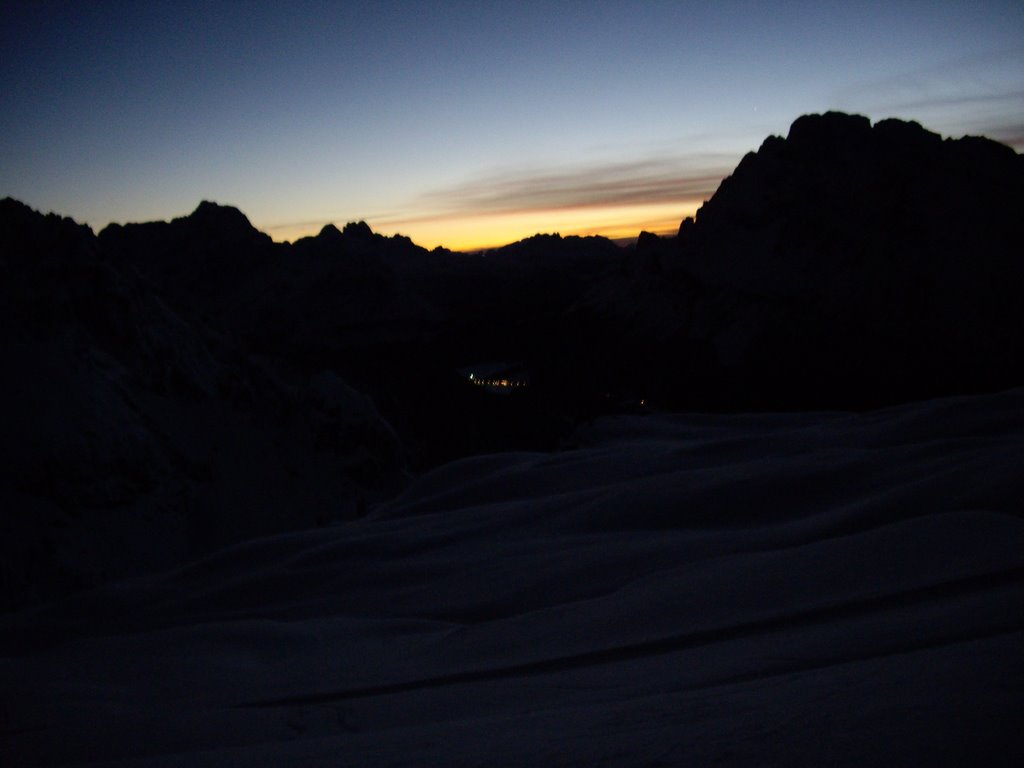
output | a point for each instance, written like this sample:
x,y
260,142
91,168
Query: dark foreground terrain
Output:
x,y
811,589
750,495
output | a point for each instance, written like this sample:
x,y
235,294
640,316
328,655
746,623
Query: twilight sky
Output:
x,y
464,123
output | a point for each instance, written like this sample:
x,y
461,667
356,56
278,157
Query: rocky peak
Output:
x,y
329,233
830,130
27,232
839,172
221,221
358,231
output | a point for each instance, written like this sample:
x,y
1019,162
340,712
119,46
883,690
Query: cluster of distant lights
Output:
x,y
500,383
516,384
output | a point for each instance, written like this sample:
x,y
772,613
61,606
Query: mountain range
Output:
x,y
155,370
749,495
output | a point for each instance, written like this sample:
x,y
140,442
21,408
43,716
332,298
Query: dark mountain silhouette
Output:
x,y
195,260
901,249
846,265
401,501
134,437
177,385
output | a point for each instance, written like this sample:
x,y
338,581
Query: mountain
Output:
x,y
135,438
268,503
157,368
846,265
886,233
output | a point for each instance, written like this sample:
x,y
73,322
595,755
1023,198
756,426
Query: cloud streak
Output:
x,y
653,191
979,94
652,181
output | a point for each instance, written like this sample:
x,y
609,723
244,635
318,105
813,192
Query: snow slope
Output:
x,y
803,589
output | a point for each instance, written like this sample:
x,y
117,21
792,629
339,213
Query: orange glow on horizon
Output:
x,y
480,231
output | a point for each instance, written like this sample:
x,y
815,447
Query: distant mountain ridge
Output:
x,y
848,264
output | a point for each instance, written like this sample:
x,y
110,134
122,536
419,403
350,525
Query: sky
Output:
x,y
464,124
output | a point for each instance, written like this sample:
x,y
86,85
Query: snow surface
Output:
x,y
804,589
